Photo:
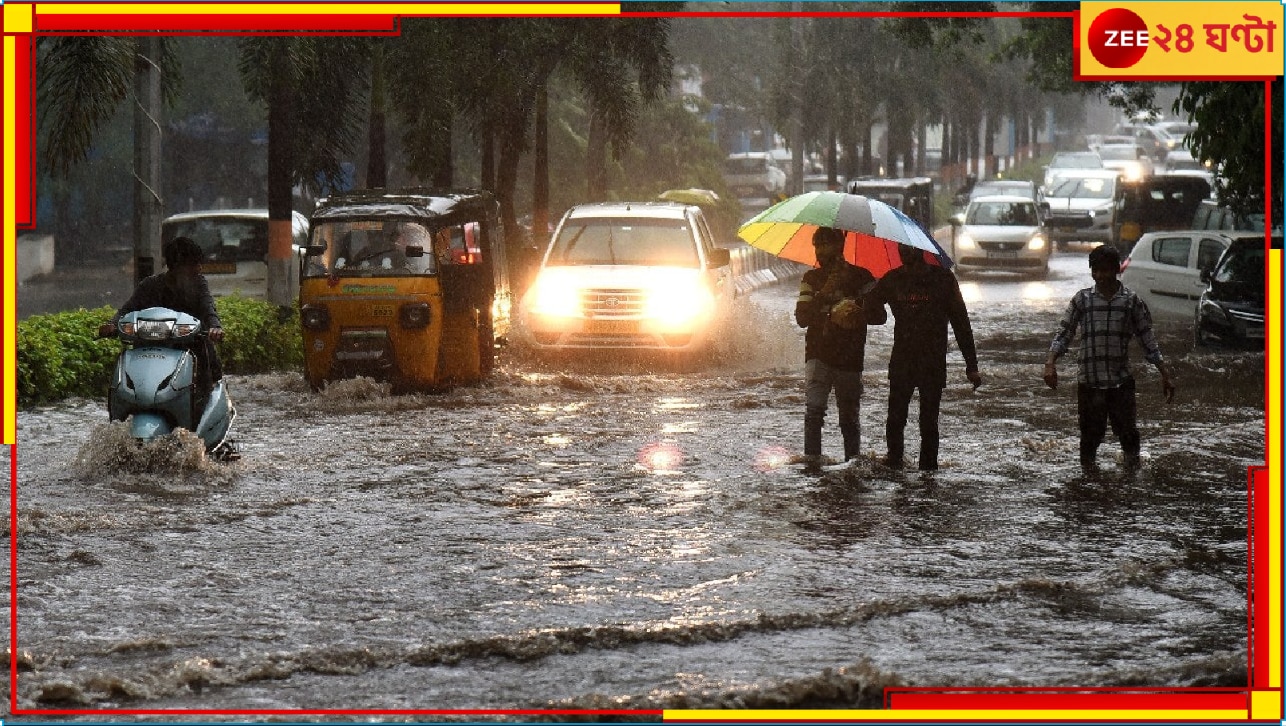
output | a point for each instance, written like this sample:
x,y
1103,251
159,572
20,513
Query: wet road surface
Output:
x,y
621,536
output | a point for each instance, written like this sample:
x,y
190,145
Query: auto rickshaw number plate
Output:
x,y
381,311
612,327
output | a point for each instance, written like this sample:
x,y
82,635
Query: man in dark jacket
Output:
x,y
832,307
924,299
181,287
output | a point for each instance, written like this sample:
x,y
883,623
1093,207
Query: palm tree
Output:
x,y
314,106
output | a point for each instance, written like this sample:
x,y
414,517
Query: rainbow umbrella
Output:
x,y
873,230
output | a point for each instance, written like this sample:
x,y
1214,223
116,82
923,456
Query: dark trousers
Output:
x,y
900,393
1095,408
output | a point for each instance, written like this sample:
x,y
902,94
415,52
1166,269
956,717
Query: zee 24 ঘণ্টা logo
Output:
x,y
1177,39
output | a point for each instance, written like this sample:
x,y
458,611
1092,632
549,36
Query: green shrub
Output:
x,y
60,354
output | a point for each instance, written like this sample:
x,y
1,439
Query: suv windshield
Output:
x,y
616,241
1085,188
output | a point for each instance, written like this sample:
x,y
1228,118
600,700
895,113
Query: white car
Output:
x,y
1164,269
1001,233
236,247
629,276
1070,162
1082,207
1128,159
753,174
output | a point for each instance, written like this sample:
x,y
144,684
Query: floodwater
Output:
x,y
598,536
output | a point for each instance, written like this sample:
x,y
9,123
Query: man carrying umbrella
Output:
x,y
924,299
832,307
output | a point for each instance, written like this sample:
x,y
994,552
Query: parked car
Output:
x,y
236,247
629,276
1231,310
1082,207
1000,233
1129,159
1070,161
1165,269
1155,203
753,174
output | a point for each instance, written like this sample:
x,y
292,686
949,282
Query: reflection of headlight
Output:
x,y
679,301
555,296
1036,243
965,242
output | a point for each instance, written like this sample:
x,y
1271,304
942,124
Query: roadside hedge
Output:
x,y
60,354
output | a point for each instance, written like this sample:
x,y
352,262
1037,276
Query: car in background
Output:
x,y
1000,233
629,276
1211,214
1082,207
236,247
1155,141
1065,162
1008,188
1231,310
1129,159
1182,162
1093,141
1165,270
753,174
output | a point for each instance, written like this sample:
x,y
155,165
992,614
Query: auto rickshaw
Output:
x,y
406,286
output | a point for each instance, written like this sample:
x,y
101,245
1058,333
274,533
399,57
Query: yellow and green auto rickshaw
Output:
x,y
406,286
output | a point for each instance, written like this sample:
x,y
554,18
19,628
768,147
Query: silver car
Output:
x,y
1082,207
1001,233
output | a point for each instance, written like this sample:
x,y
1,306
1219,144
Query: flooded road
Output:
x,y
601,536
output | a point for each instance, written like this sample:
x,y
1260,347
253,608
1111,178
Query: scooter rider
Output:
x,y
181,287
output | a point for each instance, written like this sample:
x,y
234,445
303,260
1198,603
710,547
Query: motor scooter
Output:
x,y
155,384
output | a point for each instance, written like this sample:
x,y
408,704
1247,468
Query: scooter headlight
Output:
x,y
154,329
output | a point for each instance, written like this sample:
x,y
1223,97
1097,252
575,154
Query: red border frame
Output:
x,y
961,698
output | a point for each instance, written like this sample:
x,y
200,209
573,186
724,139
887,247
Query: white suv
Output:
x,y
628,276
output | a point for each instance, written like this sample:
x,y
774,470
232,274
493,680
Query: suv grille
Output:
x,y
613,303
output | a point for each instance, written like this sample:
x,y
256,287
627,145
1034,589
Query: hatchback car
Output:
x,y
1082,207
1008,188
1000,233
640,276
1164,269
1231,310
236,247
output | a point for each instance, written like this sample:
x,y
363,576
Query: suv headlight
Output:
x,y
555,296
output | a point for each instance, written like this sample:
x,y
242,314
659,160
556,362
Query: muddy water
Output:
x,y
617,536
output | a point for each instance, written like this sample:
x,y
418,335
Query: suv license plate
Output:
x,y
611,327
1255,331
1003,254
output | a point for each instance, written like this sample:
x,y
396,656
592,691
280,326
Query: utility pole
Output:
x,y
148,205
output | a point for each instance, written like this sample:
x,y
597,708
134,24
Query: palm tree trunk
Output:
x,y
540,159
376,154
280,112
596,159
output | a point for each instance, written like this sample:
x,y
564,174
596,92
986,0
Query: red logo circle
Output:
x,y
1118,38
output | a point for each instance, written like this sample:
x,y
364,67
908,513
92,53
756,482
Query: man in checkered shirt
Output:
x,y
1107,316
